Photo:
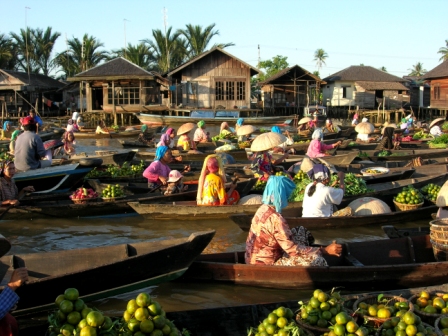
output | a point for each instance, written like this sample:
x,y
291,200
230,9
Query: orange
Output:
x,y
159,321
444,322
66,306
154,308
141,314
59,299
67,329
316,293
272,318
411,330
342,318
383,313
351,327
339,329
409,318
74,317
438,303
147,326
424,295
132,306
143,300
71,294
88,331
282,322
95,319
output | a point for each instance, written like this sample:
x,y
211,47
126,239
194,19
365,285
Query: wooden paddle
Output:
x,y
9,207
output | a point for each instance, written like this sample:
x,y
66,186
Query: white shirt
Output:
x,y
435,130
321,203
363,137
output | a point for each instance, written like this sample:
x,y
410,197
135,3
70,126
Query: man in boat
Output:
x,y
272,242
29,148
8,297
37,119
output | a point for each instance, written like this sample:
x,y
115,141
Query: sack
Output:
x,y
250,199
368,206
225,148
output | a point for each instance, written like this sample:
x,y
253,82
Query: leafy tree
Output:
x,y
7,52
316,73
444,52
320,56
139,54
25,45
417,70
199,38
43,43
277,64
383,68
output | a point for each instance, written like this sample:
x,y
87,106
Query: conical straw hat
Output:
x,y
185,128
436,121
267,141
246,130
364,128
304,120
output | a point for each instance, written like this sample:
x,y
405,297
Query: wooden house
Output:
x,y
364,87
419,91
290,90
213,79
438,80
20,92
120,86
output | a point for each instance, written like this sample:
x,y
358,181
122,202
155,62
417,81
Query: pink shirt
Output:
x,y
317,148
156,169
200,135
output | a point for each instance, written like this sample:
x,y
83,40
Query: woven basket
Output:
x,y
406,207
428,318
373,299
436,325
84,200
307,327
426,325
439,229
440,250
112,199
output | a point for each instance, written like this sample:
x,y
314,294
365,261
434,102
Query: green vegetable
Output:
x,y
116,171
442,139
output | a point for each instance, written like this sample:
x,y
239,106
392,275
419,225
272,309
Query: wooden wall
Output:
x,y
442,100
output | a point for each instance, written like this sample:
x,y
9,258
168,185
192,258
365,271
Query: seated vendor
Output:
x,y
9,194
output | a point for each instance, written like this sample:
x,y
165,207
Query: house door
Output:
x,y
378,97
97,98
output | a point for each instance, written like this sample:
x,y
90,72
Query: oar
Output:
x,y
9,207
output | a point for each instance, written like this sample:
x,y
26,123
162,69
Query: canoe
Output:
x,y
403,154
372,146
346,157
112,135
112,157
63,207
100,272
52,179
392,232
135,143
237,154
380,264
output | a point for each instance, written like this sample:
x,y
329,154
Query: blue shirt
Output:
x,y
8,298
38,120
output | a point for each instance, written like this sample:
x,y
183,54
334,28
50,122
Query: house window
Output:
x,y
400,91
240,90
230,94
344,92
437,91
219,90
124,96
279,98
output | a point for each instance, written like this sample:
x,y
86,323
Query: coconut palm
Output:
x,y
417,70
44,42
199,38
24,43
6,52
320,56
168,51
444,52
75,59
383,68
139,54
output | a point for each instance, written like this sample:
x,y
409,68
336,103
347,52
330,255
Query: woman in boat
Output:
x,y
72,126
263,164
355,120
12,144
313,124
390,140
211,184
434,127
225,131
167,139
9,194
272,242
69,141
158,171
6,131
330,127
316,147
144,137
319,197
239,123
200,135
101,128
282,147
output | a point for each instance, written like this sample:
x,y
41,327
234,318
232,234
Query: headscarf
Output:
x,y
404,120
277,191
68,142
3,166
5,125
15,134
328,121
201,123
319,172
388,136
214,160
224,126
240,121
143,128
317,134
70,122
160,152
169,131
165,139
364,120
276,129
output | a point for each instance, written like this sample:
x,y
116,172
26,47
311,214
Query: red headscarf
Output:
x,y
212,165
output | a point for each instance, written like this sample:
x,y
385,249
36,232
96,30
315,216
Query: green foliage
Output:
x,y
272,67
442,139
116,171
417,70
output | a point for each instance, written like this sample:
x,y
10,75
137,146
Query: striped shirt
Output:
x,y
8,190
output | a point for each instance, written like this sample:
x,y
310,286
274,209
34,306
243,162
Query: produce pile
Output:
x,y
116,171
83,193
439,142
373,171
445,126
431,304
409,195
279,322
296,138
422,135
353,185
383,308
408,324
74,317
406,138
112,191
223,137
430,191
260,185
244,144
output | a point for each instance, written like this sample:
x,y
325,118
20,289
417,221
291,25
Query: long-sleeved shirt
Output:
x,y
8,298
28,151
317,148
154,170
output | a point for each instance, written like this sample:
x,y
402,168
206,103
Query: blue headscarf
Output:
x,y
317,134
240,121
5,124
276,129
160,152
277,191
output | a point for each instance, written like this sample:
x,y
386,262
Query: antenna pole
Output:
x,y
166,41
259,60
26,43
125,44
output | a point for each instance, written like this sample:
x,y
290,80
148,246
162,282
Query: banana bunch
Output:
x,y
422,135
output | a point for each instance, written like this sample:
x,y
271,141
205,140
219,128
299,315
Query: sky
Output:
x,y
395,34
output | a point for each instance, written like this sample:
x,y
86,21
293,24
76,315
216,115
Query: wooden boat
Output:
x,y
339,159
405,145
52,179
63,207
47,135
88,134
211,117
392,232
107,158
100,272
237,154
380,264
135,143
403,154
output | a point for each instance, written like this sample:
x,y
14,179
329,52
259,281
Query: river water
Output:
x,y
57,234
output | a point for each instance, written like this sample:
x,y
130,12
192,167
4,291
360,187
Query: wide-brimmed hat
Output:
x,y
267,141
246,130
364,128
436,121
185,128
174,176
5,246
304,120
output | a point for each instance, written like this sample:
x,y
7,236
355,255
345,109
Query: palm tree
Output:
x,y
199,38
417,70
44,42
320,56
24,42
6,52
139,54
77,59
444,52
168,51
383,68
